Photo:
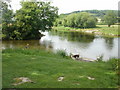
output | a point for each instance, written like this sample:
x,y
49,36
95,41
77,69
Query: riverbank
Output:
x,y
49,70
99,30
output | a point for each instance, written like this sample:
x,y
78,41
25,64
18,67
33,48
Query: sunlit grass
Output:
x,y
108,30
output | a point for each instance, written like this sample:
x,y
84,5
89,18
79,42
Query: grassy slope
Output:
x,y
44,68
103,29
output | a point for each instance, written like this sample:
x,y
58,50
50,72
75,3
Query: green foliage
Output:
x,y
32,17
7,20
7,14
110,18
79,20
114,63
58,22
71,20
62,53
96,13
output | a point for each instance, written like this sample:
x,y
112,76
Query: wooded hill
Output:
x,y
97,13
85,17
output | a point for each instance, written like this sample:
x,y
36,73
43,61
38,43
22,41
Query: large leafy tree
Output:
x,y
110,18
71,20
32,17
80,20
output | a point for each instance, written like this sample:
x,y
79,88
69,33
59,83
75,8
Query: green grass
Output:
x,y
108,30
102,30
44,68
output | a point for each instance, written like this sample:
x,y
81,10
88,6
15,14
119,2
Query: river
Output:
x,y
89,46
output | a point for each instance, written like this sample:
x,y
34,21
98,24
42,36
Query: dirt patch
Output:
x,y
21,80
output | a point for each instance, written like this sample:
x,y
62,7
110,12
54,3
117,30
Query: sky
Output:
x,y
67,6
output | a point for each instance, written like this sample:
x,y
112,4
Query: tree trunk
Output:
x,y
109,25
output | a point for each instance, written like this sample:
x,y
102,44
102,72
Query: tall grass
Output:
x,y
114,63
61,53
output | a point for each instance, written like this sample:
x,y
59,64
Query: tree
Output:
x,y
58,22
32,17
71,20
80,20
91,22
110,18
7,19
27,21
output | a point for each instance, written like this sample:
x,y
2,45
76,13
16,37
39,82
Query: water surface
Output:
x,y
89,46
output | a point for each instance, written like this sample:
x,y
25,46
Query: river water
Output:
x,y
89,46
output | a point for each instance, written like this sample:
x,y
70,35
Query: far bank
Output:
x,y
103,30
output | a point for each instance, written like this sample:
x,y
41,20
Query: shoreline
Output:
x,y
99,30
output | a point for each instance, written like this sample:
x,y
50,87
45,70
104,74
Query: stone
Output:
x,y
61,78
21,80
90,78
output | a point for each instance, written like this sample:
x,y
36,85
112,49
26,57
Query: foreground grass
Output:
x,y
44,68
100,29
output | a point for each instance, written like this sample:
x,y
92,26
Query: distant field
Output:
x,y
100,29
44,68
108,30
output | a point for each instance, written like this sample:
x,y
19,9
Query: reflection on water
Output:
x,y
21,44
89,46
109,42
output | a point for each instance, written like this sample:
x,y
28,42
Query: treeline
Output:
x,y
97,13
86,19
79,20
26,22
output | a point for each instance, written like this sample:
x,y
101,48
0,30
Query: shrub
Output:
x,y
114,63
61,53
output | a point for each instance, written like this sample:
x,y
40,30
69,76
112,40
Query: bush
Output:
x,y
114,63
80,20
61,53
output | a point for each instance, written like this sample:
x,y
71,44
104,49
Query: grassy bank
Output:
x,y
100,30
44,68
